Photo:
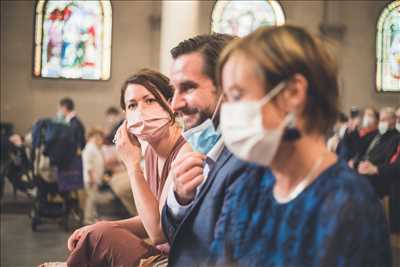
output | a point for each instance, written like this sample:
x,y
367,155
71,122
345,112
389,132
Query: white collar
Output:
x,y
216,150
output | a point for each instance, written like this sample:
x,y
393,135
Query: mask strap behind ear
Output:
x,y
274,92
218,106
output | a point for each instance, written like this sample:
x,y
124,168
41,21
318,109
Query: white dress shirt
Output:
x,y
177,210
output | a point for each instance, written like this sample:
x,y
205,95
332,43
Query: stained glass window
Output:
x,y
242,17
73,39
388,49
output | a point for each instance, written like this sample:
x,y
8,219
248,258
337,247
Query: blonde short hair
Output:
x,y
283,51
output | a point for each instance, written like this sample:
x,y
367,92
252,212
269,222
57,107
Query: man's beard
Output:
x,y
202,115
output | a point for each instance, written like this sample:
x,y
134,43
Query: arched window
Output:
x,y
242,17
73,39
388,49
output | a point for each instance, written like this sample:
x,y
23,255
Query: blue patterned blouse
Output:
x,y
336,221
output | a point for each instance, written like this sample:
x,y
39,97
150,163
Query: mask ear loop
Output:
x,y
217,107
291,133
274,92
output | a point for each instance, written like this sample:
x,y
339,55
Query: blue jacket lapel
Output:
x,y
223,158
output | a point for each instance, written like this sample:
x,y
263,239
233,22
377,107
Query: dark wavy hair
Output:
x,y
157,84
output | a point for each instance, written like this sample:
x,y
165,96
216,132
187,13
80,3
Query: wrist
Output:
x,y
134,168
183,201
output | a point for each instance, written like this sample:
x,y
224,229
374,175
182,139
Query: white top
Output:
x,y
177,210
92,160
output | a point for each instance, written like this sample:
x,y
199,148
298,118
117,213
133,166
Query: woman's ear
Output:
x,y
294,97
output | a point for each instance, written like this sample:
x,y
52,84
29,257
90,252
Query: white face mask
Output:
x,y
398,126
383,127
367,121
342,131
243,132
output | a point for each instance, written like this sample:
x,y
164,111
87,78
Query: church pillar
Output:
x,y
179,21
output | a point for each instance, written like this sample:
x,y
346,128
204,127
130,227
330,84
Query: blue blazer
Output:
x,y
191,238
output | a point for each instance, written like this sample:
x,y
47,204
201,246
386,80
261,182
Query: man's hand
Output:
x,y
367,168
188,175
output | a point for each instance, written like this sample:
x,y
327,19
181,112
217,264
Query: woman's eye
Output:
x,y
131,106
235,96
150,101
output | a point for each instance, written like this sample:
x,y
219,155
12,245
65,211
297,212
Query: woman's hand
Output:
x,y
367,168
78,233
128,147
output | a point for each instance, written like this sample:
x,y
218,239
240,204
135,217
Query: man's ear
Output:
x,y
294,96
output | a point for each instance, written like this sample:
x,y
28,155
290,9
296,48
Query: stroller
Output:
x,y
53,202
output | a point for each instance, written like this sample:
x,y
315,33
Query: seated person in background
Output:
x,y
311,209
367,132
375,159
351,136
114,119
334,142
116,173
381,165
144,98
93,171
391,173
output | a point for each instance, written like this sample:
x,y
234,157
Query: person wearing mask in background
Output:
x,y
116,174
334,142
381,164
93,171
311,209
118,180
66,112
367,132
351,136
380,151
202,179
144,98
114,119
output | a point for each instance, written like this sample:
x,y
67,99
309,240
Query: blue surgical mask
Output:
x,y
203,137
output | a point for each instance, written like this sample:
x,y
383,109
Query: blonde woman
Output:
x,y
311,209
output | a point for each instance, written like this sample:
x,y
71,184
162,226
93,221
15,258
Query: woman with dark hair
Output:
x,y
144,99
310,209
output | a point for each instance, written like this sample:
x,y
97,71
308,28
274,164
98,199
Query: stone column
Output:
x,y
179,21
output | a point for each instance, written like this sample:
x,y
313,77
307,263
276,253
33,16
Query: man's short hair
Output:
x,y
68,103
209,45
112,111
